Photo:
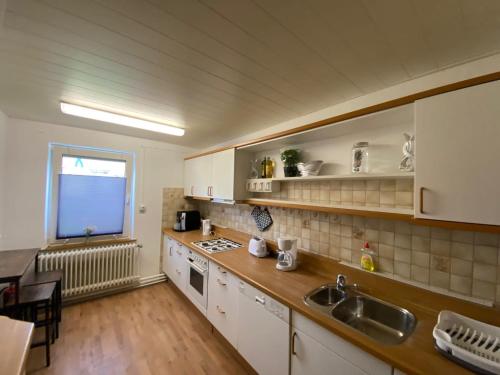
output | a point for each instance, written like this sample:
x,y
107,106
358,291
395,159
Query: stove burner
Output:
x,y
216,245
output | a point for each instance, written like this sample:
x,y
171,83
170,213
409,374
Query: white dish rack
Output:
x,y
471,343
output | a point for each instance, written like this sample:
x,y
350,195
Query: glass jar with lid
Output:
x,y
360,157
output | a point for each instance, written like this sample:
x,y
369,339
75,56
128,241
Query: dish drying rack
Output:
x,y
470,343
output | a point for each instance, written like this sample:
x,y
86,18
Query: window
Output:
x,y
89,194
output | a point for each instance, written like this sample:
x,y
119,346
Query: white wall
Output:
x,y
158,165
3,154
462,72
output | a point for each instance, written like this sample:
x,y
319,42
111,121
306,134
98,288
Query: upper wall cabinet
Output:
x,y
221,175
457,148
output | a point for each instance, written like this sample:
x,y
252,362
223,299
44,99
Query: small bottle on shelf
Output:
x,y
269,168
263,168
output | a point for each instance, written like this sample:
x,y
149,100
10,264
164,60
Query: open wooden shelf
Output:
x,y
351,176
405,214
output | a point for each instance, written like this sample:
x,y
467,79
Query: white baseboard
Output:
x,y
149,280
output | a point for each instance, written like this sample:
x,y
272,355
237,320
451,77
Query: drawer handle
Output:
x,y
176,270
421,208
178,252
219,310
221,283
221,270
293,343
260,300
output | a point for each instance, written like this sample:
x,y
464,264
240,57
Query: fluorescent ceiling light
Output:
x,y
114,118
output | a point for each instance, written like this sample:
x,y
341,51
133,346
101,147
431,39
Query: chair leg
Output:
x,y
48,325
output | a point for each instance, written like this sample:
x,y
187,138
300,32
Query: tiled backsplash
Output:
x,y
371,193
466,263
173,201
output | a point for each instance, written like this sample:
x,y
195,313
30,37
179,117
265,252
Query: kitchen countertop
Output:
x,y
416,355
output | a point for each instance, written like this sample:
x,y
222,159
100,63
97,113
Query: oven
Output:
x,y
197,283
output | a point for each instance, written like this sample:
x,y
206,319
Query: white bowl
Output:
x,y
310,168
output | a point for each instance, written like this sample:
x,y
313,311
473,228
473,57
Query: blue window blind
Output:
x,y
93,202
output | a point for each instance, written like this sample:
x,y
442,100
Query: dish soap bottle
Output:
x,y
367,262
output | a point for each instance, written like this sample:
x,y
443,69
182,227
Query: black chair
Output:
x,y
33,300
38,278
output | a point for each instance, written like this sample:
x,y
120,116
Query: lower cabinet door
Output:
x,y
309,357
179,273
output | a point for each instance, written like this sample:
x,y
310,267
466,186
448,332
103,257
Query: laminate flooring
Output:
x,y
152,330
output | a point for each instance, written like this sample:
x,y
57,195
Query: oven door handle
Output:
x,y
197,268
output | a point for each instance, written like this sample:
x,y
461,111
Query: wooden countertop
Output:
x,y
416,355
16,337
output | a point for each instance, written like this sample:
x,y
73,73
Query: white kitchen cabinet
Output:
x,y
263,331
221,175
168,253
316,351
222,309
179,266
457,138
222,186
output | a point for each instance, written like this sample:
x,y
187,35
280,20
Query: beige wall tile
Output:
x,y
345,254
420,259
486,254
387,198
402,255
404,185
482,289
420,244
359,196
420,274
373,198
402,240
386,251
461,267
372,185
386,238
440,279
385,265
359,185
404,199
484,272
462,236
346,185
461,284
346,196
488,239
462,250
440,247
388,185
440,263
441,234
402,269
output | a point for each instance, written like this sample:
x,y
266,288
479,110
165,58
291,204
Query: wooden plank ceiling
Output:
x,y
224,68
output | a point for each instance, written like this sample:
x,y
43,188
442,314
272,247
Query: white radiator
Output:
x,y
91,269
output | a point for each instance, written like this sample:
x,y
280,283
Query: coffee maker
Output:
x,y
287,254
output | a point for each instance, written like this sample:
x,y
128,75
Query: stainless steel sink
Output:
x,y
325,295
382,321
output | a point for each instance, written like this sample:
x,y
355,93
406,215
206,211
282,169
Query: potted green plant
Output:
x,y
290,158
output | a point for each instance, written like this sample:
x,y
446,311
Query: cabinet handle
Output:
x,y
178,252
221,283
170,251
220,310
221,270
260,300
421,208
176,270
192,188
293,343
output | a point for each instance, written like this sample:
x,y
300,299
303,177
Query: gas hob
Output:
x,y
216,245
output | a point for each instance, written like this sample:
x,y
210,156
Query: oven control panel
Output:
x,y
197,259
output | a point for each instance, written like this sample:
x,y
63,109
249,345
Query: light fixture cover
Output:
x,y
114,118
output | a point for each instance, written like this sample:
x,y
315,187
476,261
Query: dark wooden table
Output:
x,y
13,265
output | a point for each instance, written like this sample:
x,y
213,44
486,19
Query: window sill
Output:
x,y
79,245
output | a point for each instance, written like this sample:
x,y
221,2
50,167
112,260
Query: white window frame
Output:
x,y
56,153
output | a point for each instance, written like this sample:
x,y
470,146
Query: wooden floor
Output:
x,y
153,330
